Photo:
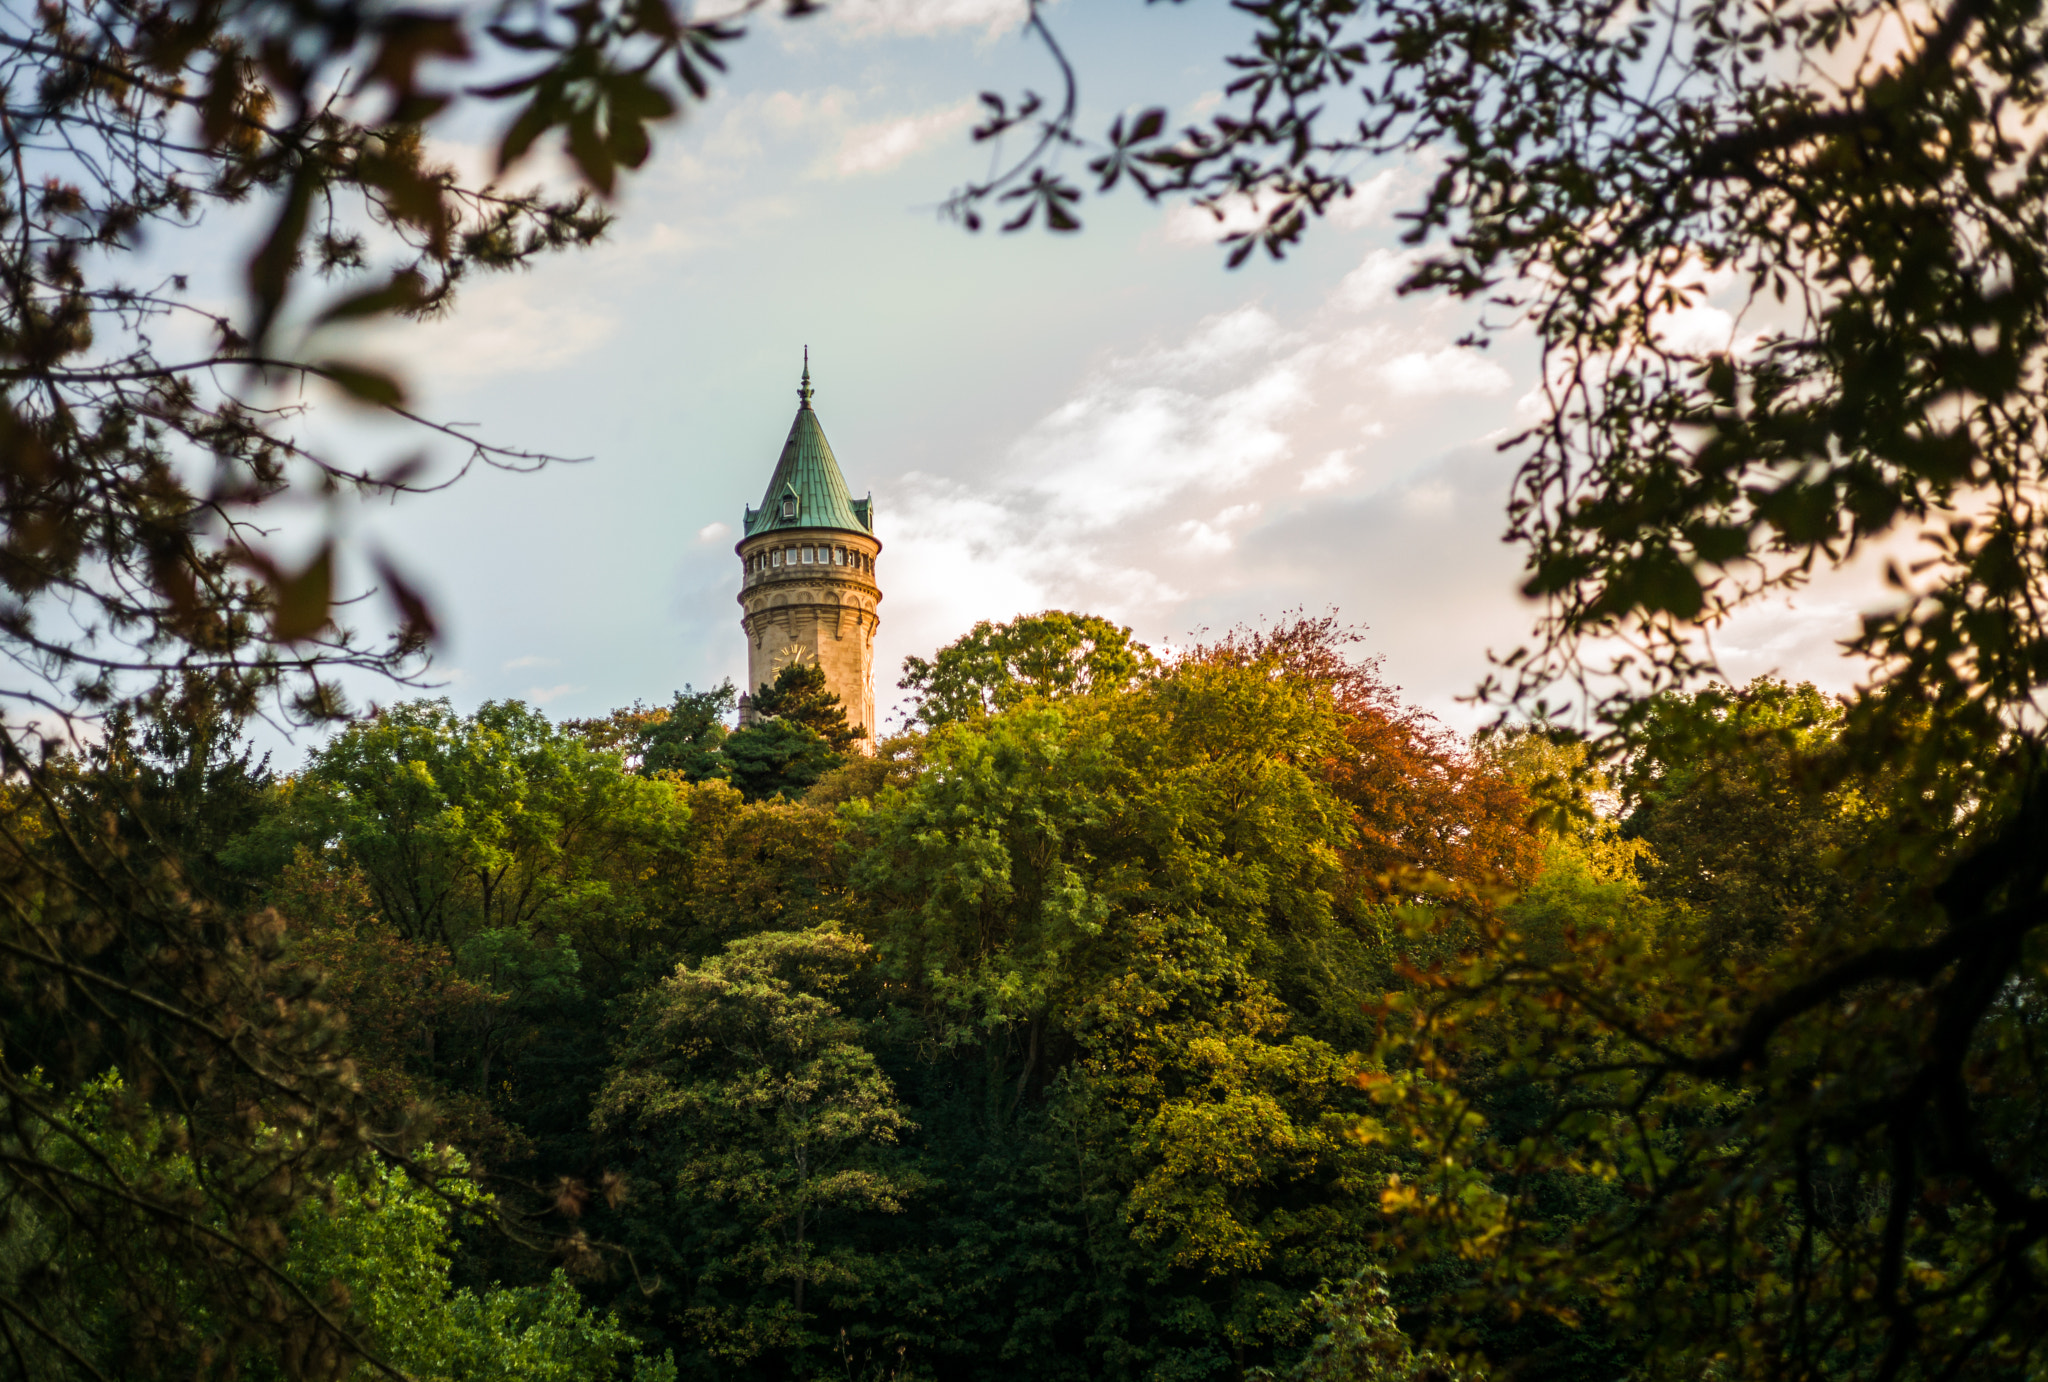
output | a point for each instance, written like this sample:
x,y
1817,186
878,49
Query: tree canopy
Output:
x,y
1028,1045
1230,1016
996,666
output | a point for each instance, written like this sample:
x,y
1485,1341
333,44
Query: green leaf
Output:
x,y
270,268
593,159
526,127
300,604
362,383
404,291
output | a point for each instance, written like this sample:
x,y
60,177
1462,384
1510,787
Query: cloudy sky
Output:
x,y
1110,421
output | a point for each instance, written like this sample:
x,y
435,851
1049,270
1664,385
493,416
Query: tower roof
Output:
x,y
809,472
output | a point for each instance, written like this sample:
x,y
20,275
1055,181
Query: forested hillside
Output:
x,y
1094,1029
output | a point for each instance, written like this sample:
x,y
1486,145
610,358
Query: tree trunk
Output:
x,y
1030,1063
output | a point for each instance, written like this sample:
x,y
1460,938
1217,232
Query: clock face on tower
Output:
x,y
791,654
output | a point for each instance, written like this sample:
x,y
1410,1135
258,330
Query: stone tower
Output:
x,y
808,561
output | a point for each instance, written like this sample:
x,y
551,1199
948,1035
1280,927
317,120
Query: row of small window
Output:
x,y
809,556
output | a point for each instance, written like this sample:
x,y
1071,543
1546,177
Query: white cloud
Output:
x,y
1214,535
1428,499
837,131
1333,471
501,327
881,145
1373,282
1166,424
1138,496
1372,201
711,532
542,695
745,126
877,18
1189,224
1448,370
532,660
1698,326
734,173
1219,343
1697,329
959,553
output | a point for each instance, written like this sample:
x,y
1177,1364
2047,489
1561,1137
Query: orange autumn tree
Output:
x,y
1420,799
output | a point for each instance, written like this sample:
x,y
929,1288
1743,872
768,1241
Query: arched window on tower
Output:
x,y
789,506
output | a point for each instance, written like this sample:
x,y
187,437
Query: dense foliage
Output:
x,y
1028,1044
1148,1019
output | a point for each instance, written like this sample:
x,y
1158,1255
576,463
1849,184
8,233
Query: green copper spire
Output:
x,y
808,474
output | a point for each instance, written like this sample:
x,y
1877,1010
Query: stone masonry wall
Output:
x,y
817,611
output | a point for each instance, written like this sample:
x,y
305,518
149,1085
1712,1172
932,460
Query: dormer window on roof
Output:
x,y
789,506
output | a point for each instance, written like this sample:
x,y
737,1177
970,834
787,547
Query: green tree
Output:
x,y
121,958
405,1003
755,866
775,758
1362,1340
1718,1217
798,695
494,822
1419,797
688,739
1240,1145
798,735
377,1243
139,485
743,1093
1731,791
1092,913
389,1245
996,666
518,880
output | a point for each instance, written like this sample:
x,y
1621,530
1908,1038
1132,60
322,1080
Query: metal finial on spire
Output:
x,y
803,391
